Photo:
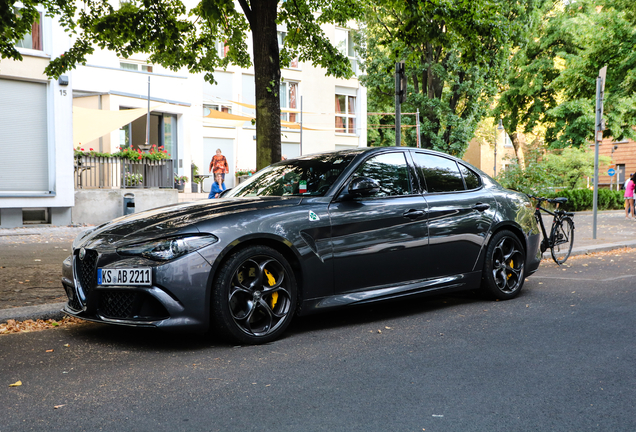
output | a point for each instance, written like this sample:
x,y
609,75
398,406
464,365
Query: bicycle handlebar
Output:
x,y
560,200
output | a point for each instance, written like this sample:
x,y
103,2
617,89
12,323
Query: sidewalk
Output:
x,y
31,260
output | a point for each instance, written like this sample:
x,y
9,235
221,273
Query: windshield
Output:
x,y
311,176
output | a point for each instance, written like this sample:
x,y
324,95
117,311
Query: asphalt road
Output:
x,y
558,358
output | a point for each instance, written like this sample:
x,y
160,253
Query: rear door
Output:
x,y
380,239
460,214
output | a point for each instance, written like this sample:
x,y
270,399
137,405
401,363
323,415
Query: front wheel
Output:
x,y
254,295
503,273
562,238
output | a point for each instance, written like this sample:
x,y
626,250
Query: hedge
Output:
x,y
582,199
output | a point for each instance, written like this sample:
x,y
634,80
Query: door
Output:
x,y
460,214
380,239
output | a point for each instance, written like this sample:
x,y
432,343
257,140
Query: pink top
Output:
x,y
629,189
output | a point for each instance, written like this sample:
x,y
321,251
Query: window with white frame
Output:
x,y
344,42
33,40
289,100
207,108
135,67
281,40
345,114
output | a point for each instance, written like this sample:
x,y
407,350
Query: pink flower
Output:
x,y
91,149
139,157
82,149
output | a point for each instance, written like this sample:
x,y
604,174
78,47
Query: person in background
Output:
x,y
217,187
629,197
218,165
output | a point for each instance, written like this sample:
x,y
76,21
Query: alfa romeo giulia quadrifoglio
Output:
x,y
306,235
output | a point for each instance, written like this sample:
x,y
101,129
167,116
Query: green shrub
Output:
x,y
583,199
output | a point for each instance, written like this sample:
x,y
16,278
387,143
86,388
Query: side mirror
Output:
x,y
224,192
363,186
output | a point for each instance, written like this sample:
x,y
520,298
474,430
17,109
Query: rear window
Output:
x,y
440,174
472,180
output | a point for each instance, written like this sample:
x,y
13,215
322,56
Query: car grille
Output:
x,y
86,271
115,304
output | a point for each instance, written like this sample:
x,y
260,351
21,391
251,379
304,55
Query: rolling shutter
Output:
x,y
24,150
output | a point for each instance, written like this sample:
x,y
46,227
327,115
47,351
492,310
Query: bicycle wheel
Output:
x,y
562,238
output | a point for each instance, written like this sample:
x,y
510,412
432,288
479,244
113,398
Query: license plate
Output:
x,y
125,276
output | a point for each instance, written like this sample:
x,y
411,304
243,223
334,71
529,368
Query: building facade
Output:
x,y
111,103
36,152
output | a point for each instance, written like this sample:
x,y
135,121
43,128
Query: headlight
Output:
x,y
81,236
169,248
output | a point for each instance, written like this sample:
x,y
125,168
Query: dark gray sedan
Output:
x,y
305,235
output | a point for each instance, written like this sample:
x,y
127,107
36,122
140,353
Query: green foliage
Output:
x,y
455,55
553,79
180,179
564,169
133,179
127,153
176,37
583,199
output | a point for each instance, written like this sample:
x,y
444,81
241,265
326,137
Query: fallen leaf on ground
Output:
x,y
59,406
13,326
16,384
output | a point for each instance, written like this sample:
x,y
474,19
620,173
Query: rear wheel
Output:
x,y
503,273
563,238
254,296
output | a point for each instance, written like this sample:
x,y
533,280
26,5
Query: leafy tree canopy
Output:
x,y
176,36
553,78
455,53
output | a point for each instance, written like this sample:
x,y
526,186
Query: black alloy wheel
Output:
x,y
503,273
563,238
254,296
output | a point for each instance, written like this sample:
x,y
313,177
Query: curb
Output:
x,y
586,250
43,312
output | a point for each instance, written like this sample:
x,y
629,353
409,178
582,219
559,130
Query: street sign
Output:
x,y
611,172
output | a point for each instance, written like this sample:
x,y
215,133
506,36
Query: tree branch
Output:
x,y
247,11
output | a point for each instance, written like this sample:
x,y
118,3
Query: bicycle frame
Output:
x,y
547,241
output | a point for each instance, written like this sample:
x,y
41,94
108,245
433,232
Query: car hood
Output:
x,y
174,219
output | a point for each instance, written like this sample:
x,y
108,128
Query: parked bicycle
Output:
x,y
561,235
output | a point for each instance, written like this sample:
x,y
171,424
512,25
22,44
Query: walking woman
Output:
x,y
629,197
218,165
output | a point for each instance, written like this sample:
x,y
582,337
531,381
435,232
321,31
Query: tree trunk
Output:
x,y
519,143
267,82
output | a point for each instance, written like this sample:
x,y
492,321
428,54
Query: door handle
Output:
x,y
481,206
413,214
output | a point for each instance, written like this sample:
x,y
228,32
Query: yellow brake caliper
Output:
x,y
272,282
512,264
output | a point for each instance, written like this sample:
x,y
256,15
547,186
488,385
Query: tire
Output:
x,y
504,268
563,237
254,296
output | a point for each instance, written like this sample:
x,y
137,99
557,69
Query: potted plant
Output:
x,y
179,182
196,179
243,174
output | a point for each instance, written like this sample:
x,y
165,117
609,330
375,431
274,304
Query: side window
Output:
x,y
472,180
390,171
440,174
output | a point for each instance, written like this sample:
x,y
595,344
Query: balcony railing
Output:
x,y
117,173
